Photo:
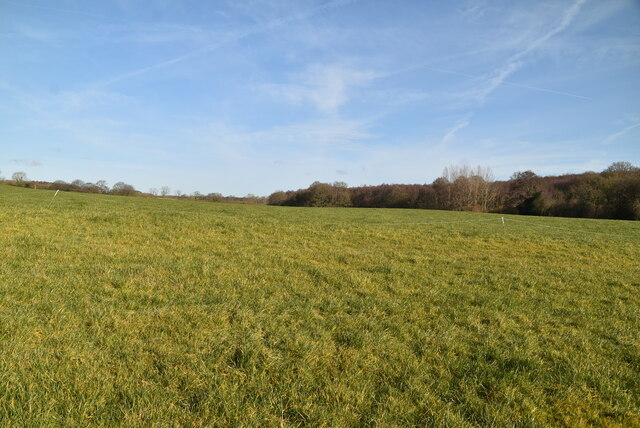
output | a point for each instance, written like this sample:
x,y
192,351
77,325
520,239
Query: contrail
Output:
x,y
506,82
514,63
611,138
230,39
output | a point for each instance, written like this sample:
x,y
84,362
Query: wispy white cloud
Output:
x,y
339,133
390,100
567,17
83,99
517,61
329,133
325,87
474,9
497,80
42,34
613,137
479,94
152,33
56,9
232,37
26,162
513,64
452,132
62,113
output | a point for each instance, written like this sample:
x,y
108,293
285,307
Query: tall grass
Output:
x,y
129,311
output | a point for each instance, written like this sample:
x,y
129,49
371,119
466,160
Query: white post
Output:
x,y
54,196
502,218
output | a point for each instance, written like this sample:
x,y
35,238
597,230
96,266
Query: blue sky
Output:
x,y
255,96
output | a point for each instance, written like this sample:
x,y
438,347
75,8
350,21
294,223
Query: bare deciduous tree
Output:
x,y
19,177
102,185
469,188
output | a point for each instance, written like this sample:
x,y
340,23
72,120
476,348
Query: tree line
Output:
x,y
613,193
121,188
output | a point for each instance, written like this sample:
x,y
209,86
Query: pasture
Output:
x,y
161,312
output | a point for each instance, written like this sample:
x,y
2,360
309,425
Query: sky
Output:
x,y
250,97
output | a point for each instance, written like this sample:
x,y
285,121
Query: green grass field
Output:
x,y
158,312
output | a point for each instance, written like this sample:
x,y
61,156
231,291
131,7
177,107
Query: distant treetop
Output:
x,y
621,167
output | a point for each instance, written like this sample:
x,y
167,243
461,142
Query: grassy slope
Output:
x,y
138,311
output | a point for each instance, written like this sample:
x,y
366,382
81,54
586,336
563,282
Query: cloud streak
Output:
x,y
26,162
231,38
326,87
451,133
613,137
507,82
57,9
330,133
517,61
